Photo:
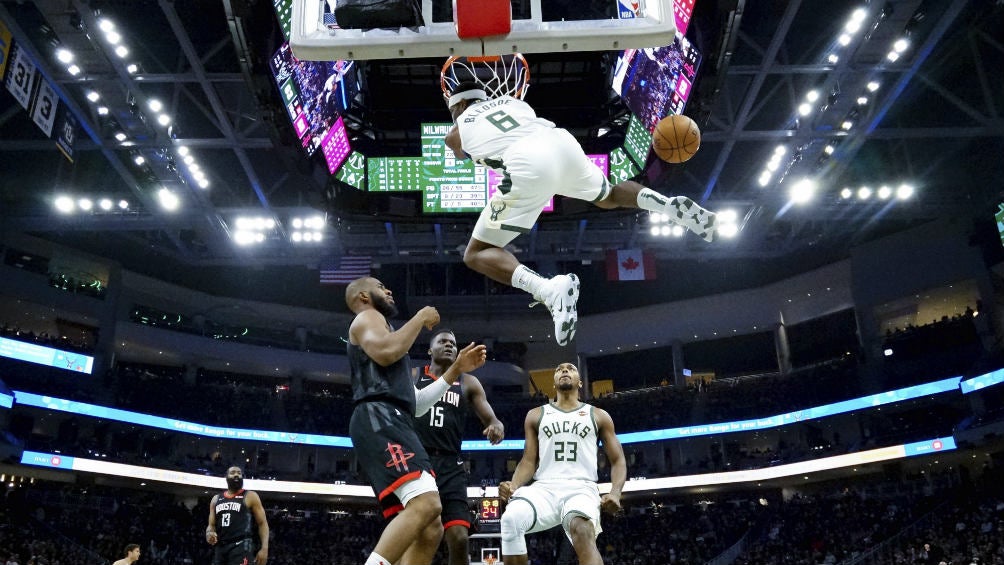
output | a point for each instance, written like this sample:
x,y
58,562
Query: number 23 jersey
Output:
x,y
488,128
566,444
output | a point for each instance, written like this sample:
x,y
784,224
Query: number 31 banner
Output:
x,y
21,77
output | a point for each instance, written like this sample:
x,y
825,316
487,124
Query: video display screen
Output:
x,y
48,356
656,82
637,141
315,93
353,171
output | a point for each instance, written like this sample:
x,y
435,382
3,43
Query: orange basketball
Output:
x,y
675,139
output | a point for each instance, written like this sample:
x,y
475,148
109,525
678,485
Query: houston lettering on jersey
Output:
x,y
229,505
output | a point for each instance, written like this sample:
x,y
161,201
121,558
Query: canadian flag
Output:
x,y
630,265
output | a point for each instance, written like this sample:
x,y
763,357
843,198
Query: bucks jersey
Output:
x,y
566,444
488,128
233,517
441,427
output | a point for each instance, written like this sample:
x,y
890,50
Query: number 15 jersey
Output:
x,y
566,444
488,128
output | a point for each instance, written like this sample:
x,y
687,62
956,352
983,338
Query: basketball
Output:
x,y
675,139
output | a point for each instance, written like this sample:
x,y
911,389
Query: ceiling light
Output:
x,y
243,238
123,204
764,179
85,204
308,236
259,237
892,56
654,230
93,96
182,150
132,68
270,224
864,193
844,40
163,119
859,14
873,86
812,95
852,26
298,237
832,58
884,192
780,149
189,160
728,216
862,100
105,204
828,150
901,45
64,204
297,223
846,125
120,136
73,70
203,183
904,191
113,37
846,193
121,51
804,109
802,191
194,167
677,231
318,236
728,230
665,230
102,110
139,159
243,223
155,105
168,200
772,165
105,25
64,55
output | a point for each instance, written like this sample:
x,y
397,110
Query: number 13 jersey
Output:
x,y
488,128
566,444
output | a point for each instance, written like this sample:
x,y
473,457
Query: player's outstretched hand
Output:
x,y
494,432
471,357
505,490
429,316
610,504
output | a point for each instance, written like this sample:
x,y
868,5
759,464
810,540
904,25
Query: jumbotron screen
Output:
x,y
656,82
315,93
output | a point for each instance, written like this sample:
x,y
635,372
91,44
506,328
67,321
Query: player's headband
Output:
x,y
476,94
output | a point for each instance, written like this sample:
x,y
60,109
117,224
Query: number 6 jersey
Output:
x,y
488,128
566,444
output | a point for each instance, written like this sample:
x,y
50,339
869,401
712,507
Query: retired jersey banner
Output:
x,y
630,265
43,113
5,42
66,132
21,77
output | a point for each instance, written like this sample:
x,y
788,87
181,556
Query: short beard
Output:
x,y
566,386
384,307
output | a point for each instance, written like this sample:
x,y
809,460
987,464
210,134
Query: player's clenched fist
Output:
x,y
429,316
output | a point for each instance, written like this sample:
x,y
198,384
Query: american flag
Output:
x,y
345,269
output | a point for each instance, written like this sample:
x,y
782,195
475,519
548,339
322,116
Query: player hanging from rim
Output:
x,y
538,160
560,457
441,433
383,421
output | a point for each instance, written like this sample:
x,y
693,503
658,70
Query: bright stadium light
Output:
x,y
123,204
106,25
804,109
297,236
728,230
168,200
892,56
812,95
64,204
654,230
132,68
802,191
73,70
864,193
846,193
873,86
665,230
113,37
677,231
904,192
64,55
105,204
182,150
884,192
121,51
832,59
901,44
844,40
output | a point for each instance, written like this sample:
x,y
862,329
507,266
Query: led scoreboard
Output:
x,y
490,515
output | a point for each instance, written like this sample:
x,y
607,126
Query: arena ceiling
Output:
x,y
933,122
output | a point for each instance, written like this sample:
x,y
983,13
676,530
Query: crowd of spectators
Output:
x,y
13,331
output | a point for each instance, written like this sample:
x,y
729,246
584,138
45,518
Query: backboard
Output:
x,y
313,38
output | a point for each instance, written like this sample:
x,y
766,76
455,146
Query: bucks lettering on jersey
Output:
x,y
233,518
441,428
488,128
566,443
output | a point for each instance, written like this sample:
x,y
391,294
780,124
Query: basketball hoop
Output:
x,y
499,75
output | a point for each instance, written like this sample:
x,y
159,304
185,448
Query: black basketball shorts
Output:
x,y
388,449
234,552
451,479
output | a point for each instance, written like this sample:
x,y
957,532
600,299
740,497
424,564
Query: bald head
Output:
x,y
369,293
354,293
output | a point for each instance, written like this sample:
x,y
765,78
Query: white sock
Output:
x,y
652,201
524,278
375,559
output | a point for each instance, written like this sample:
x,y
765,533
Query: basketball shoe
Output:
x,y
560,296
689,214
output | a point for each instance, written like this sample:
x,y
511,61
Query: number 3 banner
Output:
x,y
44,112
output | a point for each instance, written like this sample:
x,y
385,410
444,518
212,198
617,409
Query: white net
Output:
x,y
499,75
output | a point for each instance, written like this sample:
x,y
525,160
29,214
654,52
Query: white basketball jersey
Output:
x,y
567,444
488,128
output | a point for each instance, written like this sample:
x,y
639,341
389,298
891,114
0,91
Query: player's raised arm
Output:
x,y
373,303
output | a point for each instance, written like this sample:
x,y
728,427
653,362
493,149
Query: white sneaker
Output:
x,y
689,214
560,297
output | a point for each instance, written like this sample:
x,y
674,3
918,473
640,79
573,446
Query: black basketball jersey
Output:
x,y
440,428
372,382
233,517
